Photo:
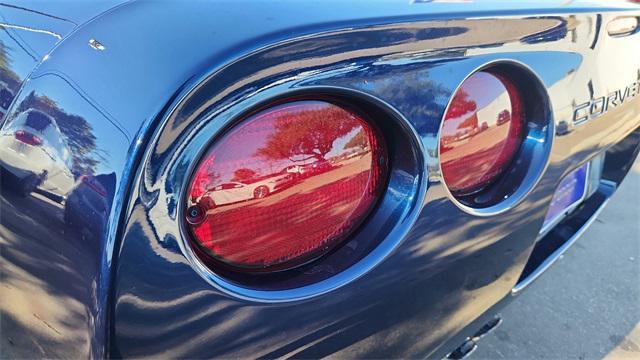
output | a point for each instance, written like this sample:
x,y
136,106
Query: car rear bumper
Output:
x,y
559,239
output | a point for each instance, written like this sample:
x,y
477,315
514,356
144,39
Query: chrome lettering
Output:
x,y
599,106
577,118
623,96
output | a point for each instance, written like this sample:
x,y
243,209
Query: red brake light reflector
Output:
x,y
28,138
482,132
285,186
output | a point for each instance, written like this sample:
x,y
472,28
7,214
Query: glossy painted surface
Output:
x,y
137,114
52,228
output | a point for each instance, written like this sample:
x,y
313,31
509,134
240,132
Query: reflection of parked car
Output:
x,y
504,117
87,206
383,255
318,166
33,150
232,192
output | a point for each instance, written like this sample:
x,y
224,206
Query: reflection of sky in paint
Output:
x,y
28,39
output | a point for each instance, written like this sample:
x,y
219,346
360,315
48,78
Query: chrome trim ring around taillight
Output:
x,y
531,160
386,227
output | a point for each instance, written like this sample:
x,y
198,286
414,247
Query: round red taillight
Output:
x,y
285,186
482,132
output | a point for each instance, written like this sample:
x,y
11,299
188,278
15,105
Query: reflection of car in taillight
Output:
x,y
28,138
321,198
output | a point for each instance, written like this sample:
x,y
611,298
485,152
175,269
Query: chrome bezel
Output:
x,y
387,241
536,145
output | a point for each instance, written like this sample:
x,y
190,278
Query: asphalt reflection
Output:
x,y
46,279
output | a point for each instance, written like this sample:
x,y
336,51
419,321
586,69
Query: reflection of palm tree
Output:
x,y
308,131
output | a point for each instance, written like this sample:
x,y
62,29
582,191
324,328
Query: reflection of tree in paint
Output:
x,y
308,132
413,93
4,56
461,105
9,80
6,74
470,122
205,179
244,175
77,133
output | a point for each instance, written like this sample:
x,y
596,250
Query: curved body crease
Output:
x,y
106,109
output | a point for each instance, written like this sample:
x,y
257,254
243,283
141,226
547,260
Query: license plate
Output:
x,y
568,195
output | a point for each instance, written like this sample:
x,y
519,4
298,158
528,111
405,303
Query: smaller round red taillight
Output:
x,y
482,132
285,186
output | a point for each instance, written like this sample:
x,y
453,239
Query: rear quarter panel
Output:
x,y
129,289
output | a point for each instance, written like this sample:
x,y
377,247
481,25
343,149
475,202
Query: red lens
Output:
x,y
481,134
28,138
285,186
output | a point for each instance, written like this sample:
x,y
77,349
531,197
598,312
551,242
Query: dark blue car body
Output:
x,y
139,89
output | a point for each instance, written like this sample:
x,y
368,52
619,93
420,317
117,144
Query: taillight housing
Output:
x,y
285,186
28,138
481,133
